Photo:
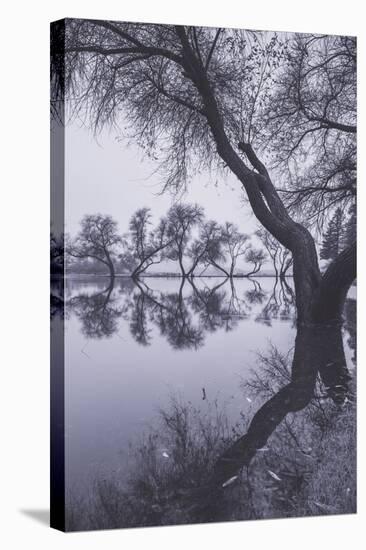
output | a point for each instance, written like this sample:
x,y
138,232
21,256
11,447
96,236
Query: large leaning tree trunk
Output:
x,y
178,82
162,71
313,295
318,351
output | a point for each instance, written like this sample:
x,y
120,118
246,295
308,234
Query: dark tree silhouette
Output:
x,y
56,254
279,117
296,392
181,220
256,295
256,257
170,313
146,245
235,245
97,239
281,257
189,84
280,304
206,246
310,125
227,245
99,313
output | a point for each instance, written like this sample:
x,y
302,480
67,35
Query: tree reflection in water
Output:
x,y
56,298
98,312
183,317
294,456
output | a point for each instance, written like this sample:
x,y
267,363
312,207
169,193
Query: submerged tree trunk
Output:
x,y
318,351
263,197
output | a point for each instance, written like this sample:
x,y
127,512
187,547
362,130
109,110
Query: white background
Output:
x,y
24,234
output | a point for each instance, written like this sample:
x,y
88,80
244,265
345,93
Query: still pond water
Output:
x,y
130,348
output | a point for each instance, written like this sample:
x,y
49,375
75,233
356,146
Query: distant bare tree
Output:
x,y
229,245
255,256
281,257
146,245
198,97
235,244
98,239
205,246
181,219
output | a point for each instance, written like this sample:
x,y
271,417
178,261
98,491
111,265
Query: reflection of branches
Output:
x,y
170,313
180,317
184,319
236,306
177,324
209,306
274,372
57,305
138,320
318,352
98,312
281,257
188,467
256,295
280,305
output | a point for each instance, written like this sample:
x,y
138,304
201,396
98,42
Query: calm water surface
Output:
x,y
130,348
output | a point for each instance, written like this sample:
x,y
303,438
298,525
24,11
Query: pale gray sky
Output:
x,y
104,175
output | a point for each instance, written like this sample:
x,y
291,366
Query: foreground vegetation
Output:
x,y
306,468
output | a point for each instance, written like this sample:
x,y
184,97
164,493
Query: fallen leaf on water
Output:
x,y
229,481
275,476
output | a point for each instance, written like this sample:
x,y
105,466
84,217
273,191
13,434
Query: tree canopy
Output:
x,y
197,98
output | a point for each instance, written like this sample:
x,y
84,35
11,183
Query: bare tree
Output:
x,y
181,219
310,124
190,89
255,256
146,245
200,72
281,257
205,246
235,244
229,245
97,239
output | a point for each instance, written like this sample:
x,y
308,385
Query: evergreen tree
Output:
x,y
333,240
351,227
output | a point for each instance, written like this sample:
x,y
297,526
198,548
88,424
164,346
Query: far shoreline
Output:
x,y
165,276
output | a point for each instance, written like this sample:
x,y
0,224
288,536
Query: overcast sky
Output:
x,y
104,175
